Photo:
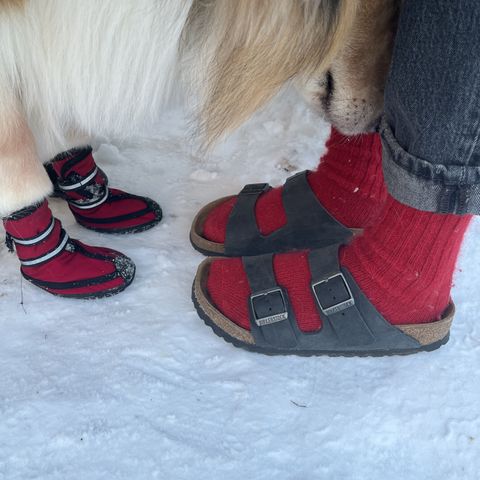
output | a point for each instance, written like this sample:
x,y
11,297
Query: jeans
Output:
x,y
431,126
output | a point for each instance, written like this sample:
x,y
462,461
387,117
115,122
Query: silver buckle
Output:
x,y
269,319
338,307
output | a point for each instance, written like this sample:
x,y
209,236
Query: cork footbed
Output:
x,y
208,247
196,232
425,333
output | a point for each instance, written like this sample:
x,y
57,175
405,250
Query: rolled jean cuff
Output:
x,y
426,186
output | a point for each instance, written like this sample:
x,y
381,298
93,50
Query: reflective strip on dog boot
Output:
x,y
52,261
49,255
308,223
92,203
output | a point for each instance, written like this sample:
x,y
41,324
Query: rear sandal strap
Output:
x,y
307,221
350,323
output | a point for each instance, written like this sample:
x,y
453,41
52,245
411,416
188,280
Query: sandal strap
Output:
x,y
334,298
349,321
271,317
308,222
242,230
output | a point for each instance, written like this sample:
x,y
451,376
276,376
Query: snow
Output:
x,y
137,387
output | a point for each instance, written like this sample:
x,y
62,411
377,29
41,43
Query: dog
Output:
x,y
350,93
72,70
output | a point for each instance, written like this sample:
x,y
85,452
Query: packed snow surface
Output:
x,y
137,387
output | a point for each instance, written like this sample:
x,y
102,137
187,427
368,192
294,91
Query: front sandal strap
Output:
x,y
350,323
271,317
334,298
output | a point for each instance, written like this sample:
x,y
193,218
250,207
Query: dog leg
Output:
x,y
23,180
49,258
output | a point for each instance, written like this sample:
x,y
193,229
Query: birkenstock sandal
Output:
x,y
309,225
351,326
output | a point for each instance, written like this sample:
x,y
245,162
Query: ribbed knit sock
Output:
x,y
404,265
348,183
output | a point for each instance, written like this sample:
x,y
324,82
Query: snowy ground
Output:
x,y
136,387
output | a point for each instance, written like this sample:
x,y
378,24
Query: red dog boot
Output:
x,y
60,265
78,180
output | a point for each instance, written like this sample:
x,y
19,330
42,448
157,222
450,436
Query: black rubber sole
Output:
x,y
155,208
308,353
89,296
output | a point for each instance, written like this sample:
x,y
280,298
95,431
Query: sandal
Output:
x,y
351,326
309,225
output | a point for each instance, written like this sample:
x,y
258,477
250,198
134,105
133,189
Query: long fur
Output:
x,y
253,47
90,67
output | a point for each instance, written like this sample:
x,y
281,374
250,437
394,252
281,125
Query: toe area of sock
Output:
x,y
215,225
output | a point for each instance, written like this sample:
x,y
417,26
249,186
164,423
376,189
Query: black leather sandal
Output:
x,y
351,325
309,225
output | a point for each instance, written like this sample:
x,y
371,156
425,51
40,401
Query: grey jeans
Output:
x,y
431,126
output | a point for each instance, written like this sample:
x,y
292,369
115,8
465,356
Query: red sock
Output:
x,y
348,182
404,265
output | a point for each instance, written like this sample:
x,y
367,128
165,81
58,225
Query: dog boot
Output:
x,y
60,265
95,206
